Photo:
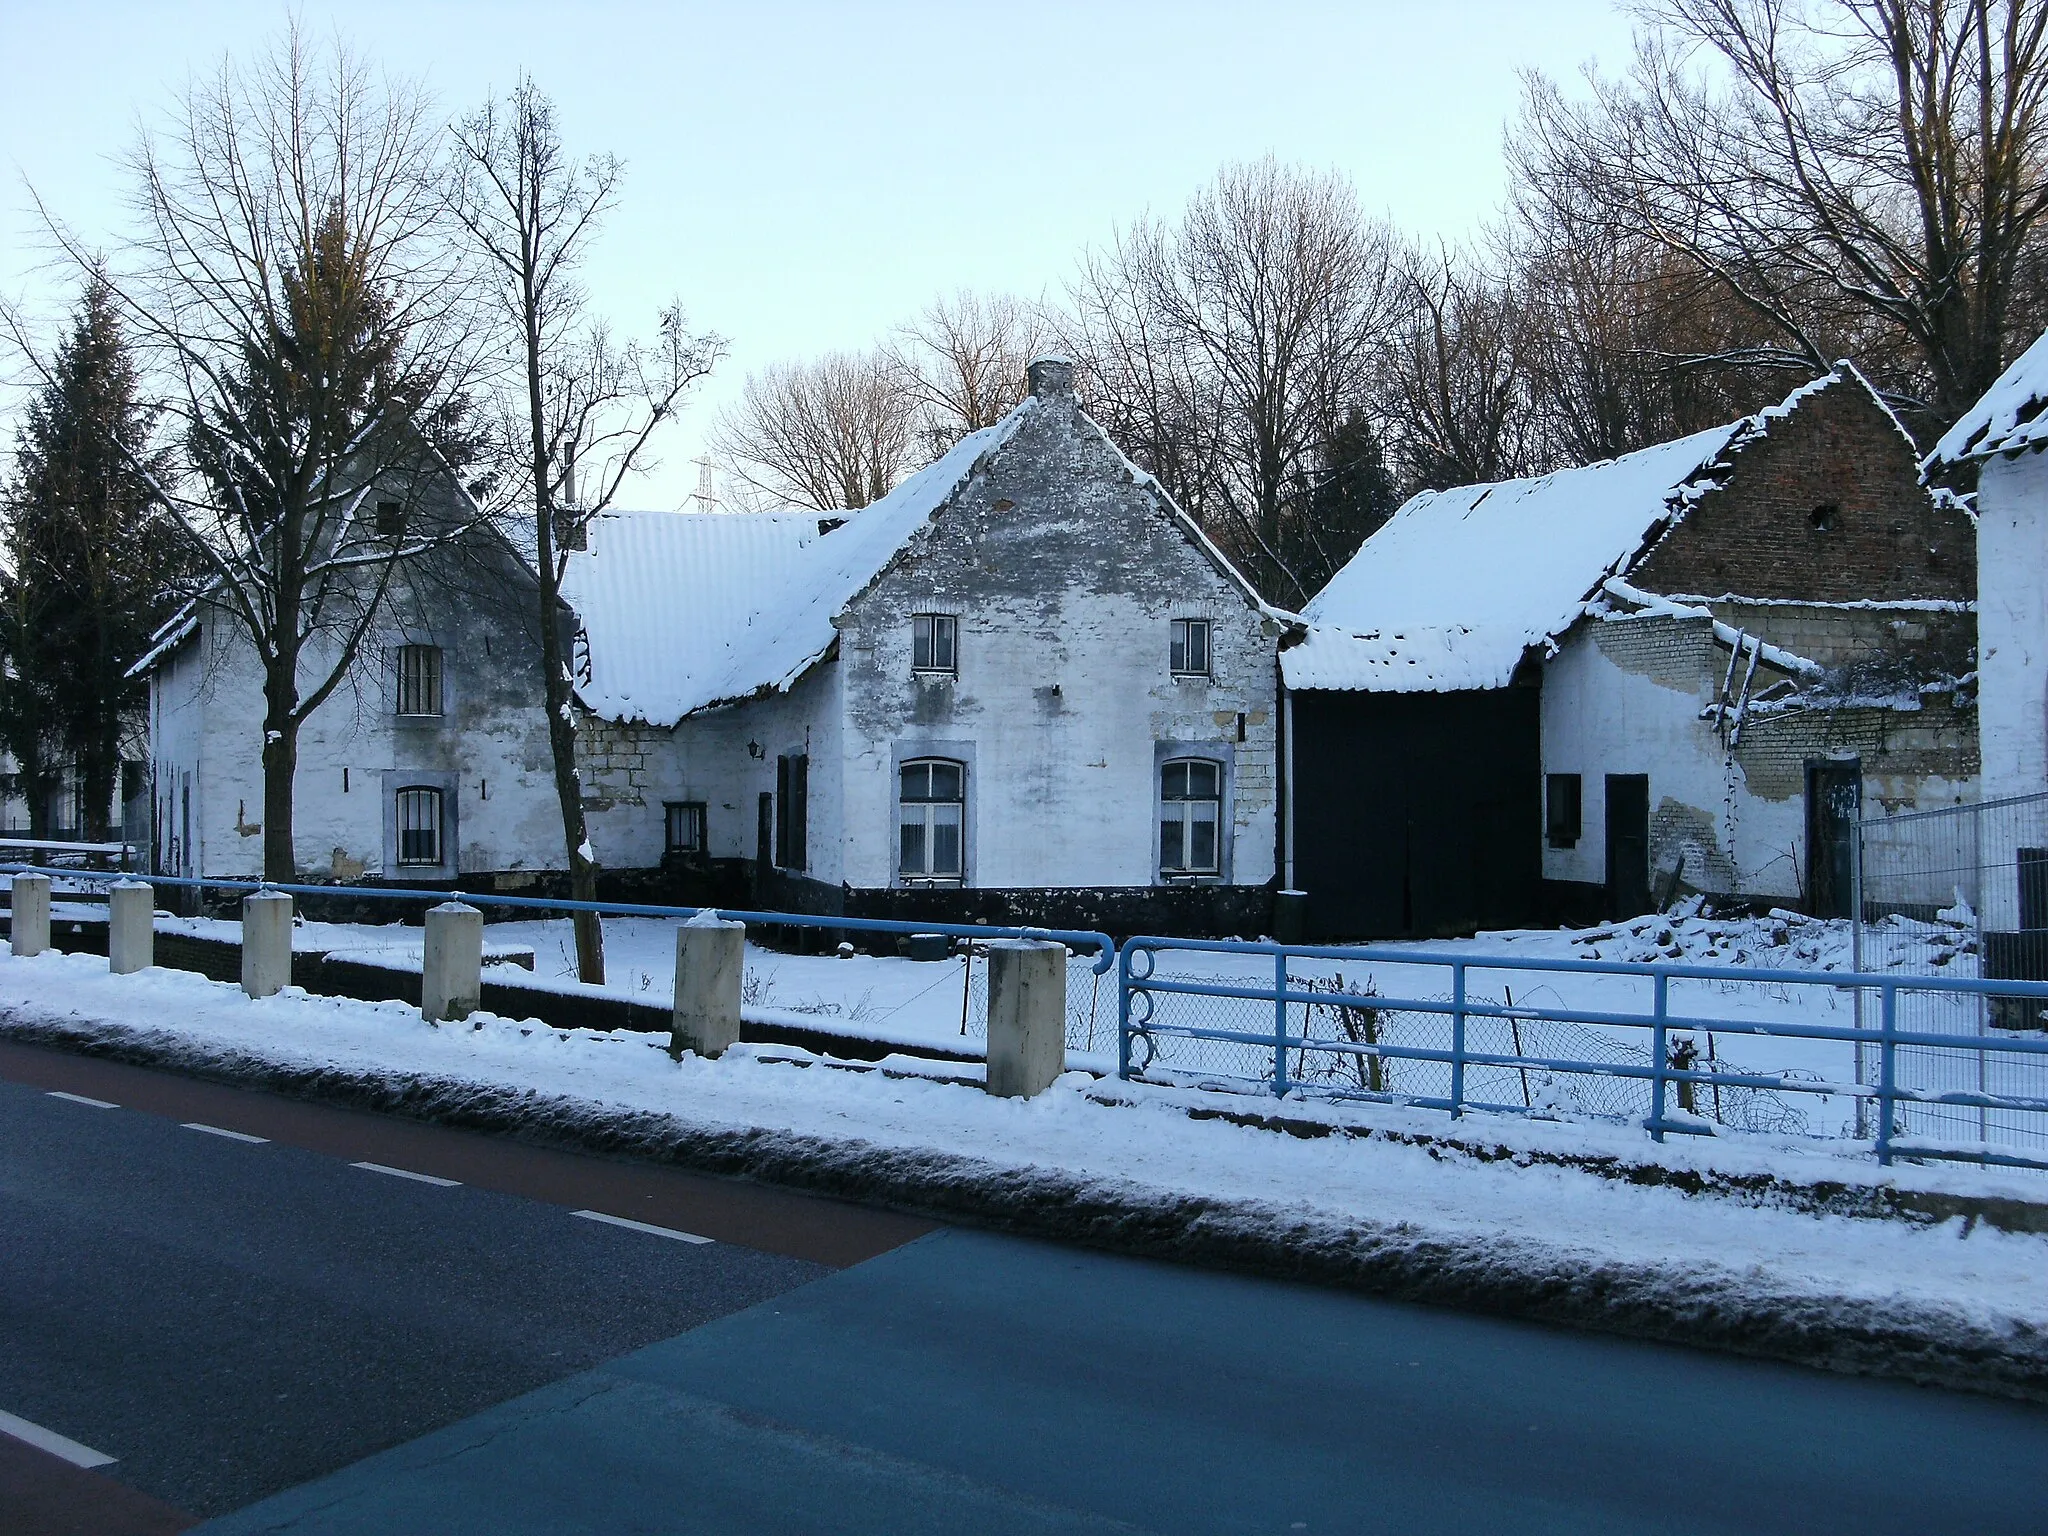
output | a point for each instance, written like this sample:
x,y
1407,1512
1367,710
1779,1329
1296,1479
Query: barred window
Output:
x,y
419,826
1188,651
934,642
419,680
931,819
1190,813
685,826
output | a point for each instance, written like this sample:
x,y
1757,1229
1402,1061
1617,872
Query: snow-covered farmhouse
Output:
x,y
428,762
1681,670
2002,437
1023,686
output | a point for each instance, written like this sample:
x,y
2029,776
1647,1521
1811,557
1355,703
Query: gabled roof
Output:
x,y
709,620
666,598
2013,414
1457,586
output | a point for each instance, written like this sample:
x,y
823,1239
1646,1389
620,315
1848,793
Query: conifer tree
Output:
x,y
94,563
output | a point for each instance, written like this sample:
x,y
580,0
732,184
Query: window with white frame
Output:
x,y
419,680
1188,651
934,643
419,826
685,826
931,822
1190,817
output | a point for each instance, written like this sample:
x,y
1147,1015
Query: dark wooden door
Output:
x,y
1834,804
1418,814
1628,844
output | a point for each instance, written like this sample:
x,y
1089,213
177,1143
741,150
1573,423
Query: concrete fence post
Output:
x,y
451,976
131,927
1027,1016
711,957
266,943
30,923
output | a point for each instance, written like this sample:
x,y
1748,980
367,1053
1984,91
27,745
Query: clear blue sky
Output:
x,y
803,176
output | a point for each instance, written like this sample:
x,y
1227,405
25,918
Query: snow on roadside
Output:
x,y
1543,1218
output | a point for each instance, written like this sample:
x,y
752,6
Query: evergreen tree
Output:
x,y
94,563
1349,497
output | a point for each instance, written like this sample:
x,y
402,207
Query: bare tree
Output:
x,y
1253,323
1463,376
586,406
289,291
1865,176
961,363
834,434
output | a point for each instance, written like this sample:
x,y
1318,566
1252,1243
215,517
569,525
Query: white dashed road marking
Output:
x,y
215,1130
407,1173
49,1440
79,1098
642,1226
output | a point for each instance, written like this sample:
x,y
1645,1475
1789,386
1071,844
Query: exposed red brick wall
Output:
x,y
1757,536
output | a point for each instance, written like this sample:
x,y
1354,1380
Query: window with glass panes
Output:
x,y
419,826
1190,815
419,680
1188,652
934,642
931,821
685,826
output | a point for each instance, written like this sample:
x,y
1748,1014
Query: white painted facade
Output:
x,y
486,752
2012,623
1064,572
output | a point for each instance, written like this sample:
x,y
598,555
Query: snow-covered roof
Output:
x,y
172,633
2010,415
1456,587
730,616
664,597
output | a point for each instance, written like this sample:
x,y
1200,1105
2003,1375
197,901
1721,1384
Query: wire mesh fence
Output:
x,y
1961,891
1355,1040
1674,1048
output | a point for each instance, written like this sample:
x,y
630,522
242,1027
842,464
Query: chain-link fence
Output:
x,y
1355,1040
1674,1047
1961,891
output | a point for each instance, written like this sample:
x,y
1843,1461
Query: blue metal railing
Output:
x,y
1074,938
1140,1030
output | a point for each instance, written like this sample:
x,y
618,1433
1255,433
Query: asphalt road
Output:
x,y
231,1317
228,1317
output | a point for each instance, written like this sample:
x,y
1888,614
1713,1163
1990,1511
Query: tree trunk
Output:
x,y
99,767
583,865
280,768
35,789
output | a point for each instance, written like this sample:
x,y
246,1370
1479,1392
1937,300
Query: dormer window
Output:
x,y
1188,650
935,644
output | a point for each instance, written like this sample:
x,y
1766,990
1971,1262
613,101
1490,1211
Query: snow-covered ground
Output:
x,y
944,1003
1426,1205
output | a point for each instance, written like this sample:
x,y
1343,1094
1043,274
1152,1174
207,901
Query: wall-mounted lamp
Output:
x,y
755,749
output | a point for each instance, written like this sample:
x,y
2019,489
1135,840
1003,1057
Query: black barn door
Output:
x,y
1628,844
1417,815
